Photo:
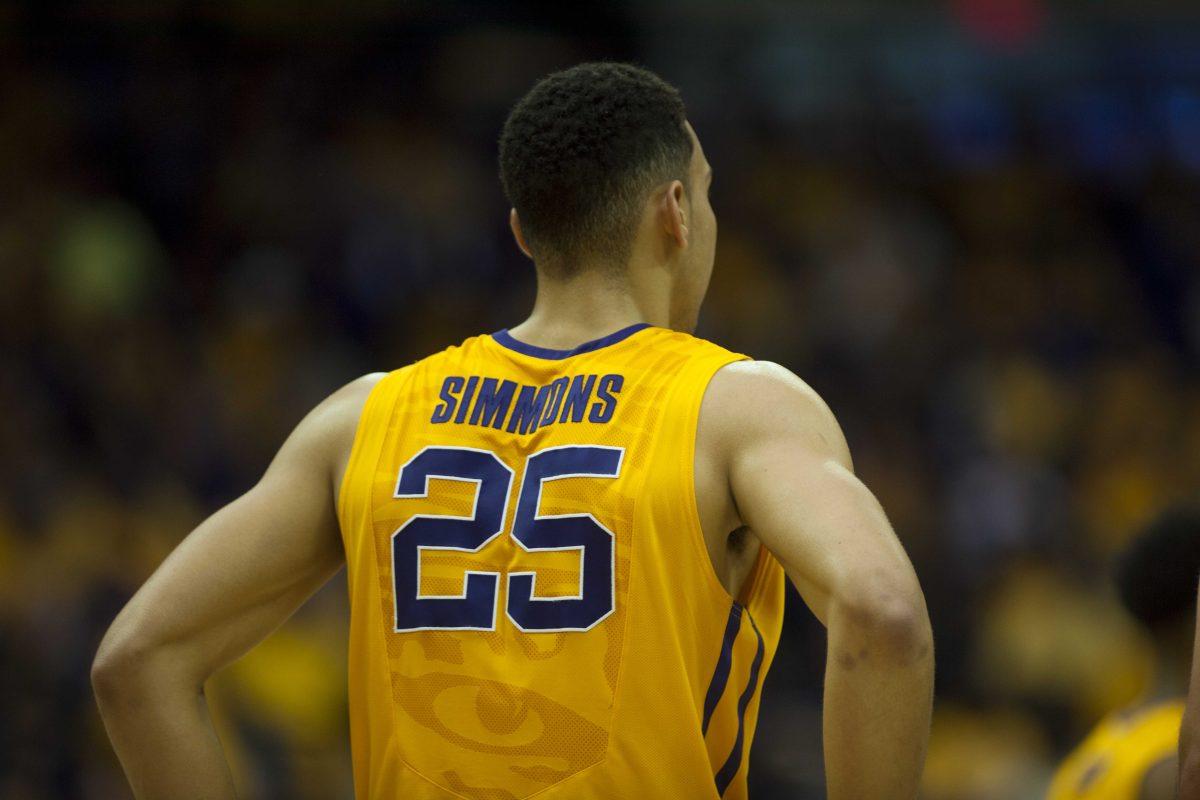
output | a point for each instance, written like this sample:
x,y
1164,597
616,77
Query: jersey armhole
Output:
x,y
691,431
751,588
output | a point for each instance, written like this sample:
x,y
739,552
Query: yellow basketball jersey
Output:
x,y
533,609
1112,761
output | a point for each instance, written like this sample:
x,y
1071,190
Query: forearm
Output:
x,y
163,735
878,703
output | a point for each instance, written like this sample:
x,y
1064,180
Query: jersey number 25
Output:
x,y
475,607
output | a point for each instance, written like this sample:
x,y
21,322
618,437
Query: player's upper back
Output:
x,y
531,591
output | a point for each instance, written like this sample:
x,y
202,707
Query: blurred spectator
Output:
x,y
1134,751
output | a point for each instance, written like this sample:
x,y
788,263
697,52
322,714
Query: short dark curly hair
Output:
x,y
579,154
1157,574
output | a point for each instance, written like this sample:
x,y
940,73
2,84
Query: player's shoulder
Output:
x,y
770,382
751,399
336,417
322,440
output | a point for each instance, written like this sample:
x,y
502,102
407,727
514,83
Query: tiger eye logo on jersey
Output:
x,y
518,408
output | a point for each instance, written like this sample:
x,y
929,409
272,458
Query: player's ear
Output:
x,y
673,214
514,222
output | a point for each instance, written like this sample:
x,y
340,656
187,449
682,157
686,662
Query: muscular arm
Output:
x,y
231,582
791,482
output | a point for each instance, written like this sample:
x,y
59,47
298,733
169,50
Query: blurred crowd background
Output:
x,y
973,226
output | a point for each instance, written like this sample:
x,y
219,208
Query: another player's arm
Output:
x,y
791,480
1189,732
231,582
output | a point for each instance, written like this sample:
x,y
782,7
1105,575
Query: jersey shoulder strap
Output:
x,y
354,494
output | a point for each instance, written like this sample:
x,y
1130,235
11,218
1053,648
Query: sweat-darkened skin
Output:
x,y
772,466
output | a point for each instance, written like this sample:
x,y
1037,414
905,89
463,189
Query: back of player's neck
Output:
x,y
564,330
566,322
587,307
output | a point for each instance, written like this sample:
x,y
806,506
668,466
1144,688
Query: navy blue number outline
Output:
x,y
536,502
536,517
421,548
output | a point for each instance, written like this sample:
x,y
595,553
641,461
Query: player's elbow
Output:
x,y
890,620
117,665
129,665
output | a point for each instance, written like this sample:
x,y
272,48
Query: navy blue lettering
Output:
x,y
442,411
557,390
461,416
606,404
528,409
491,407
577,398
487,402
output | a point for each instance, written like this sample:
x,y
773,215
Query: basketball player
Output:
x,y
566,541
1131,754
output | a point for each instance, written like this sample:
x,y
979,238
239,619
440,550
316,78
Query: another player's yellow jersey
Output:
x,y
1113,760
533,609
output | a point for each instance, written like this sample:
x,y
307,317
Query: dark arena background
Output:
x,y
972,226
